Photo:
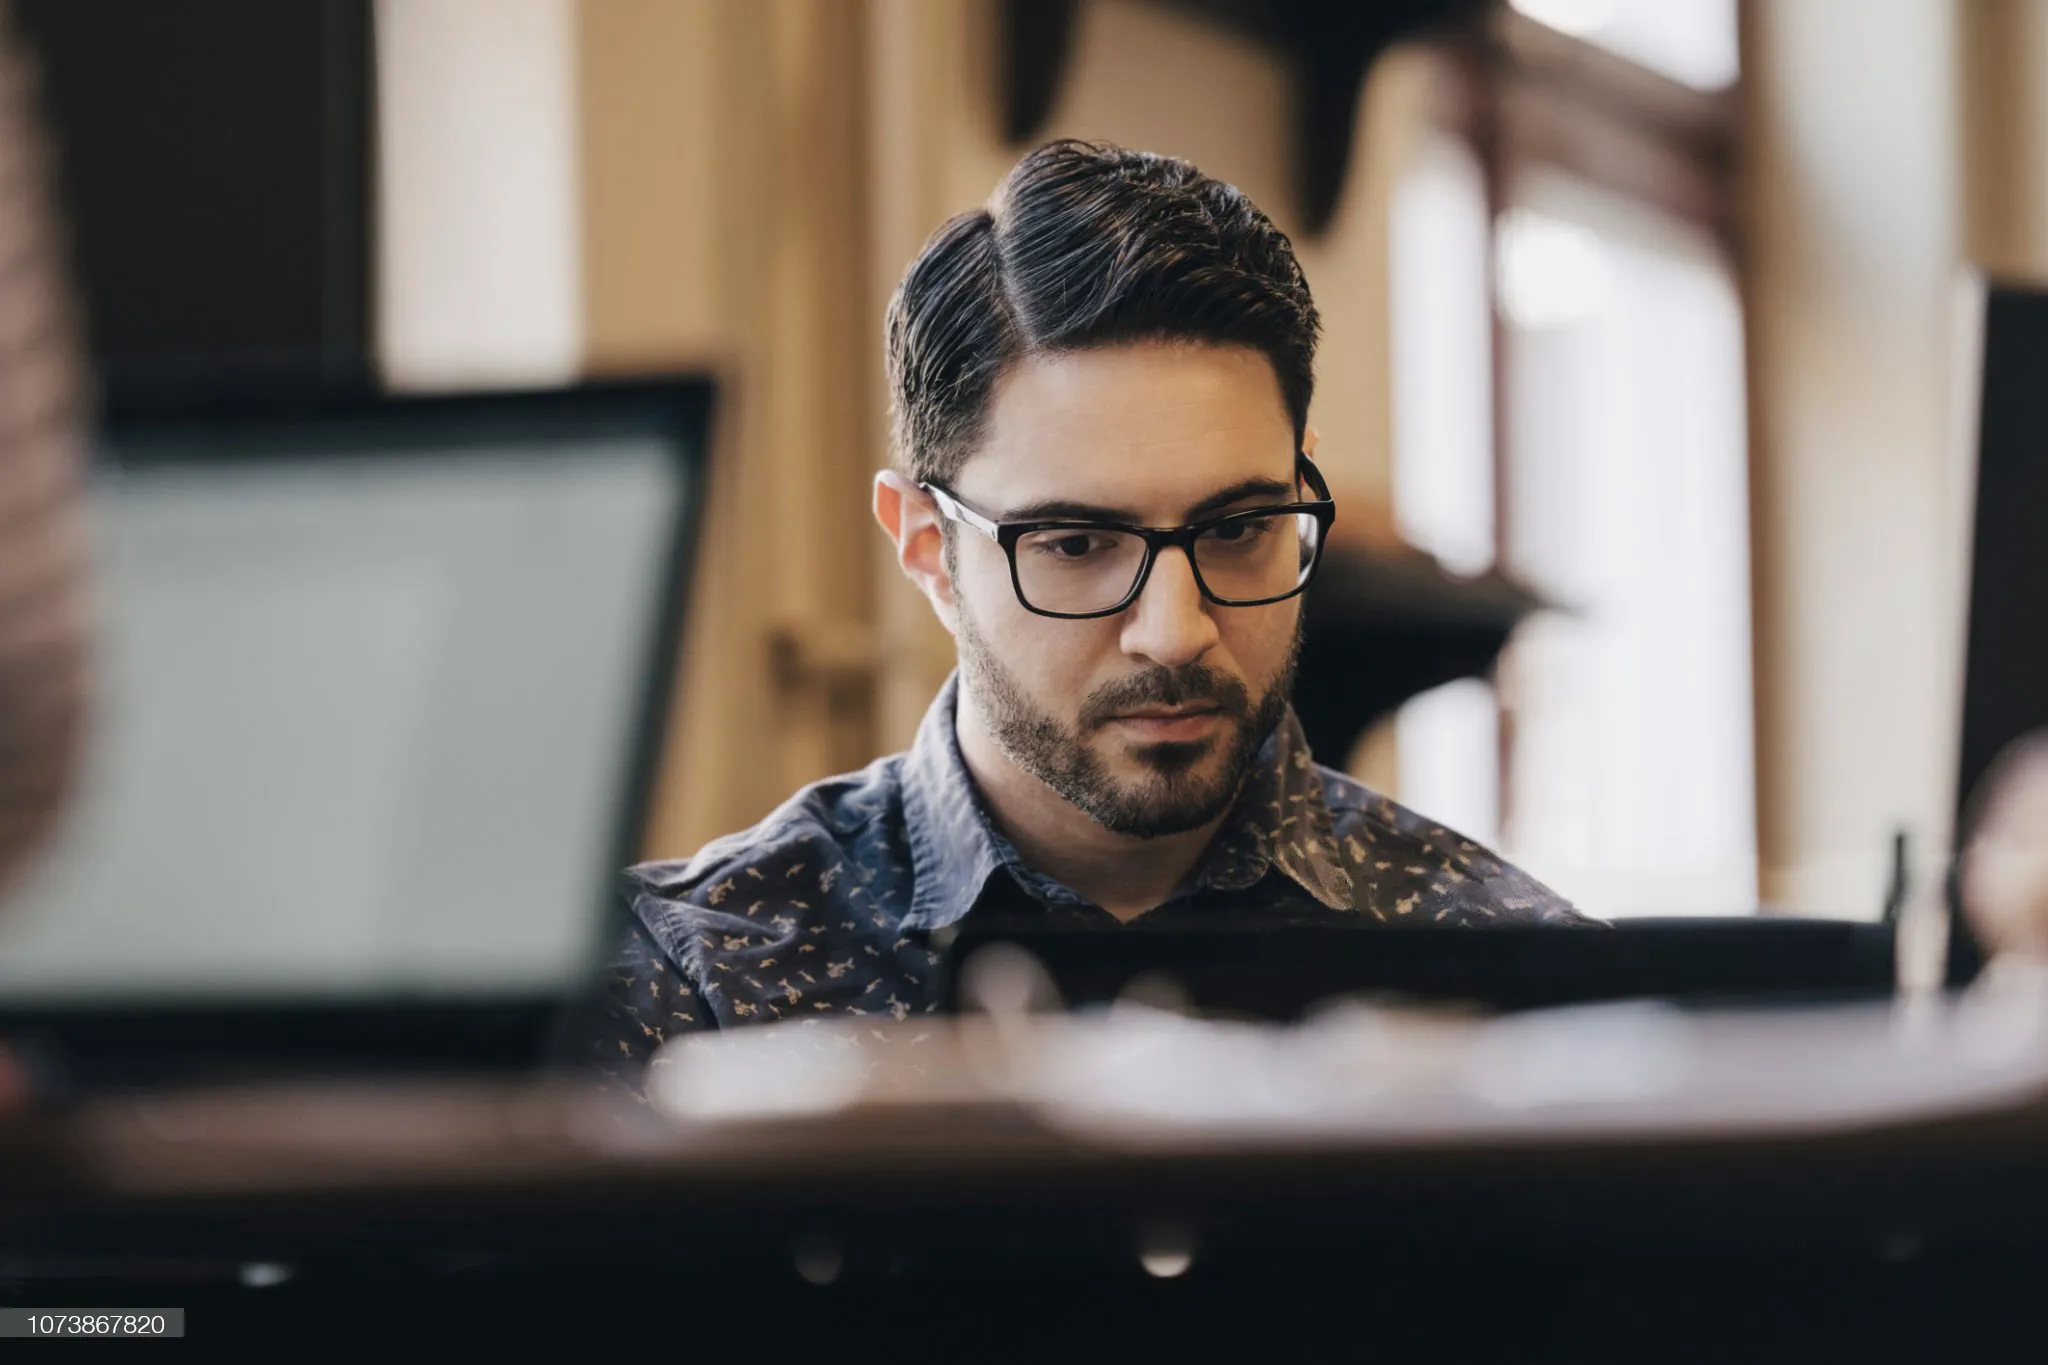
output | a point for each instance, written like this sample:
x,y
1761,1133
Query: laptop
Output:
x,y
382,688
1283,974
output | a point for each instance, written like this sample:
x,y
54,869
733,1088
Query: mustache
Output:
x,y
1188,685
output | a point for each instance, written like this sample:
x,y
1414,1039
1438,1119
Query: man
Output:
x,y
1100,386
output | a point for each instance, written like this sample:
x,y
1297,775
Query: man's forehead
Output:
x,y
1152,425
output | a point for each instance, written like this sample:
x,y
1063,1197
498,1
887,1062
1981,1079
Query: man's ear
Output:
x,y
1308,441
912,522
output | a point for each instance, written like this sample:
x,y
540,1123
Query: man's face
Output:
x,y
1146,720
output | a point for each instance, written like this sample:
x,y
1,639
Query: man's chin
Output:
x,y
1148,812
1147,790
1180,765
1136,760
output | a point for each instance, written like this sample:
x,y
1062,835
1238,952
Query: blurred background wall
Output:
x,y
1646,306
756,177
1855,206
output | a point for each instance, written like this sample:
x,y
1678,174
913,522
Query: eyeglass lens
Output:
x,y
1076,570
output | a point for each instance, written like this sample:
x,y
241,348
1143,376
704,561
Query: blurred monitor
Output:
x,y
383,683
2005,686
2005,666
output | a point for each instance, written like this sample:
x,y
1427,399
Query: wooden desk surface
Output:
x,y
1825,1127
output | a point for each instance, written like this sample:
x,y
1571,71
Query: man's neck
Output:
x,y
1122,873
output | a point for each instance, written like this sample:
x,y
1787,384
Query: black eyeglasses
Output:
x,y
1077,569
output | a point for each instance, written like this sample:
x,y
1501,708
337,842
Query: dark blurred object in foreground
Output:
x,y
42,553
1588,1178
1284,974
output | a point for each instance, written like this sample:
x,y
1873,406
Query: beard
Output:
x,y
1177,790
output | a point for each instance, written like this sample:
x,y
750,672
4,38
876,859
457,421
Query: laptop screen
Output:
x,y
376,691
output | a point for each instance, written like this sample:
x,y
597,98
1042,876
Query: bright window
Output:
x,y
1447,741
1693,41
1630,767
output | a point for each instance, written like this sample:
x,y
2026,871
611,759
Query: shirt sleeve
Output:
x,y
640,1001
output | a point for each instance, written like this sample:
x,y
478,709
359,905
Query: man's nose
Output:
x,y
1170,623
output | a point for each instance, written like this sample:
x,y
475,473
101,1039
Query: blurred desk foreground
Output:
x,y
1818,1177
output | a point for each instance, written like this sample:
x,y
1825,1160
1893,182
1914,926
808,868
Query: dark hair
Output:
x,y
1084,245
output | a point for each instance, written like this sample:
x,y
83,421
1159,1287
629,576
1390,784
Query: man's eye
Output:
x,y
1237,532
1072,546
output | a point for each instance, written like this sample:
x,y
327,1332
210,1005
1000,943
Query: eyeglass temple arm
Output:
x,y
954,510
1314,477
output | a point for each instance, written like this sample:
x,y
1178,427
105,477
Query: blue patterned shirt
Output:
x,y
829,906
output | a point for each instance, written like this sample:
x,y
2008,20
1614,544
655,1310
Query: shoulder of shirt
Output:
x,y
1351,802
1510,894
821,819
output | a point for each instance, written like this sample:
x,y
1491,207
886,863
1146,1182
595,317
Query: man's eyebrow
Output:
x,y
1271,489
1062,509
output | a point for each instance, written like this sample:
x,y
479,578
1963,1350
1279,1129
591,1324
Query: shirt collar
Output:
x,y
1280,820
954,847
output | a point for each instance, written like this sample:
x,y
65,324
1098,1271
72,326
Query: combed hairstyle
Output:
x,y
1086,245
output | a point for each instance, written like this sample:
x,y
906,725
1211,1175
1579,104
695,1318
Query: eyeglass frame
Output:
x,y
1156,538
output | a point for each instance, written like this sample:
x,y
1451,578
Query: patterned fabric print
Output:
x,y
827,908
